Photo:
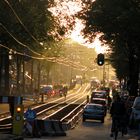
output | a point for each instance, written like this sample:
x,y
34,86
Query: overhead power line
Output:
x,y
20,53
18,40
17,17
50,59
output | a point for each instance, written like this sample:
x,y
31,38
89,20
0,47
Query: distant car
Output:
x,y
58,89
47,89
135,113
94,83
94,112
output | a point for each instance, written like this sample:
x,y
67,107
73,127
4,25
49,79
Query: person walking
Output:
x,y
118,112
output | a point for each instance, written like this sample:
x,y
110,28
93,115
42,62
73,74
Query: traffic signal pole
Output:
x,y
104,75
18,121
100,62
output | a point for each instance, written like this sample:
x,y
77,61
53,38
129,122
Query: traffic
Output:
x,y
66,111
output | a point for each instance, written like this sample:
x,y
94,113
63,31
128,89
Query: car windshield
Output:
x,y
98,95
93,107
46,88
99,102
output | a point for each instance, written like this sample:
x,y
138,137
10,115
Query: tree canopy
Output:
x,y
28,22
24,26
119,22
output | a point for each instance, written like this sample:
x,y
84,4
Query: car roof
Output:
x,y
93,104
101,99
46,85
99,91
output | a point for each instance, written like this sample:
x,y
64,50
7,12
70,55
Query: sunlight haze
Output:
x,y
68,9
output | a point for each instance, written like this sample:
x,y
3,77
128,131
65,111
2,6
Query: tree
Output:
x,y
119,22
23,25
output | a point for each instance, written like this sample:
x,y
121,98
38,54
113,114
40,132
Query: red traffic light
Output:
x,y
100,59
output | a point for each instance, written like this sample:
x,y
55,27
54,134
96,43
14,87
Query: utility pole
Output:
x,y
104,75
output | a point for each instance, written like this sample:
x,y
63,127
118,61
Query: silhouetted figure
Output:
x,y
117,111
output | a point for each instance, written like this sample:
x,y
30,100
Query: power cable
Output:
x,y
18,40
23,54
43,57
10,6
53,59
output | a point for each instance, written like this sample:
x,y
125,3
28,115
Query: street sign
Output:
x,y
30,115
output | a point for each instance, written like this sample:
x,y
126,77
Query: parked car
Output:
x,y
47,90
100,101
99,94
135,113
107,89
58,89
94,112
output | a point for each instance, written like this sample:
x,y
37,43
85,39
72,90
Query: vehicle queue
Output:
x,y
103,97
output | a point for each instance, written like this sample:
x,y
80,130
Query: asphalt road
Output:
x,y
90,130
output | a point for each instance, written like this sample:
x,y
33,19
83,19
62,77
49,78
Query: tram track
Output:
x,y
57,110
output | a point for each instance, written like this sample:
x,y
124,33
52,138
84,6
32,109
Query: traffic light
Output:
x,y
18,120
100,59
18,109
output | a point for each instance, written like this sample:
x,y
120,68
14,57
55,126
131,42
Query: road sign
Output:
x,y
30,115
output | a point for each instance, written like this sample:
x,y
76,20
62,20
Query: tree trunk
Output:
x,y
134,75
38,83
18,74
23,76
1,70
6,74
32,75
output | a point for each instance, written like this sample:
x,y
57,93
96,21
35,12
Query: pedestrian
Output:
x,y
118,112
65,90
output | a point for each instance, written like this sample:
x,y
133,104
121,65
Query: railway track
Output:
x,y
60,109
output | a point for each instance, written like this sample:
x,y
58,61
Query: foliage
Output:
x,y
119,22
30,22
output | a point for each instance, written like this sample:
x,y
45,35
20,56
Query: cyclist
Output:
x,y
118,112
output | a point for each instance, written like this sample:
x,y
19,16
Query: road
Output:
x,y
90,130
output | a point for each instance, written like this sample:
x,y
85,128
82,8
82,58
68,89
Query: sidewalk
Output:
x,y
10,137
132,135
